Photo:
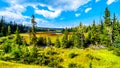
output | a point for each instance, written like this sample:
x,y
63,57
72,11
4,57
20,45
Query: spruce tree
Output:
x,y
9,30
18,38
115,31
79,37
107,19
49,41
101,27
33,38
57,43
65,39
2,24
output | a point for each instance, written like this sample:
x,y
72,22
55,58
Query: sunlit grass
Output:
x,y
4,64
43,34
102,59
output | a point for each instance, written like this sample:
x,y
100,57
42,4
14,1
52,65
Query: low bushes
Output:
x,y
74,65
72,55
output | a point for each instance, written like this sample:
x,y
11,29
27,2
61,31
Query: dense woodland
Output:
x,y
106,34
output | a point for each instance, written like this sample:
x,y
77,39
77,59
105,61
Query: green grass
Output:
x,y
44,34
98,58
4,64
101,59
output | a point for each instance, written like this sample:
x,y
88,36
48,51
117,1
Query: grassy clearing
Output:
x,y
98,59
43,34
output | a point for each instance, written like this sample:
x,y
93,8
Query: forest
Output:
x,y
83,46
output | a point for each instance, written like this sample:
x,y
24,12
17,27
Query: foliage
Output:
x,y
18,38
74,65
65,39
57,43
72,55
9,30
49,43
41,41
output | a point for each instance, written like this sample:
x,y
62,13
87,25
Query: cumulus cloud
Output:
x,y
110,2
55,8
49,14
87,10
77,14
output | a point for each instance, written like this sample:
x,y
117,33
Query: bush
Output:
x,y
51,52
53,64
41,41
116,52
90,56
117,42
73,65
2,40
72,55
6,46
16,52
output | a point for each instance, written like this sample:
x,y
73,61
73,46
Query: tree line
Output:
x,y
7,28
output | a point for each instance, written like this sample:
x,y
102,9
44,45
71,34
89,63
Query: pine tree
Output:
x,y
57,43
3,31
95,37
1,22
79,37
18,38
107,19
101,27
9,30
33,38
49,41
115,31
65,39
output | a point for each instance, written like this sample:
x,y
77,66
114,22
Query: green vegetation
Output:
x,y
94,46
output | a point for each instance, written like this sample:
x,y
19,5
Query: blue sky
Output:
x,y
57,13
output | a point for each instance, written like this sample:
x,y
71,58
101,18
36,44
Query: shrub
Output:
x,y
90,65
73,65
72,55
57,43
117,42
6,46
50,52
52,64
16,52
116,52
90,56
2,40
41,41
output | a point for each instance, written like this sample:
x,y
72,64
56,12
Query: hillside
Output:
x,y
84,57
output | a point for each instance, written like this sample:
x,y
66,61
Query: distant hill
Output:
x,y
49,29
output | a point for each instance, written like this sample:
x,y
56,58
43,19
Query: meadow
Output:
x,y
53,36
96,58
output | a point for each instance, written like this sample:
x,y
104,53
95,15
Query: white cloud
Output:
x,y
110,2
97,0
77,14
55,7
49,14
87,10
11,15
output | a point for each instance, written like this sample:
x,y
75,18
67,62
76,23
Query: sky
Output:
x,y
57,13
